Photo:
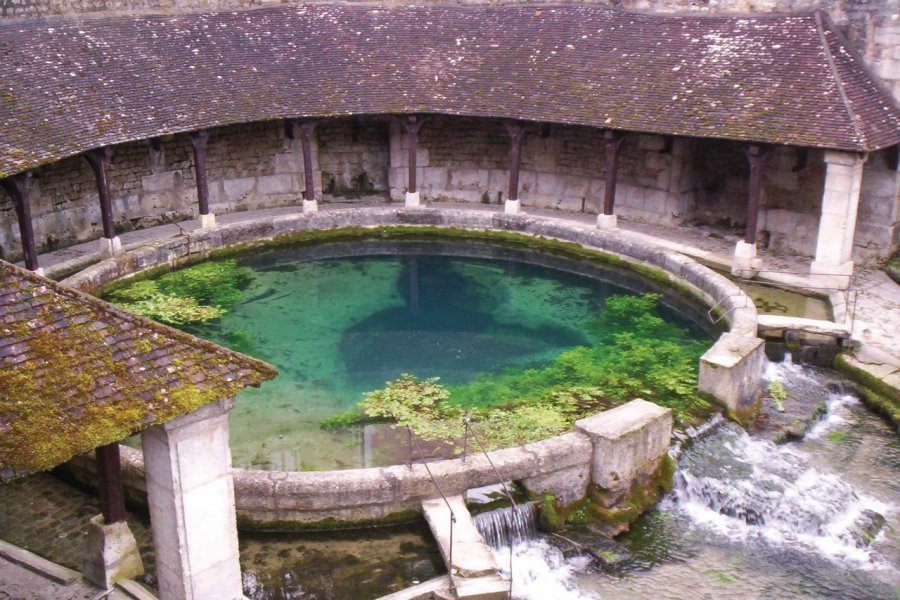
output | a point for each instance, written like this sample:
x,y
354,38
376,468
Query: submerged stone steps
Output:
x,y
474,570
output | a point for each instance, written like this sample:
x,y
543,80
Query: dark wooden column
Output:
x,y
15,187
412,124
99,161
306,131
612,143
756,155
516,132
198,143
112,494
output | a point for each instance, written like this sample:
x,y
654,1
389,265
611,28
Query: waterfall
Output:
x,y
751,489
539,570
498,526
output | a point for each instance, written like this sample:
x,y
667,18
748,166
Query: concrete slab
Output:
x,y
36,564
471,555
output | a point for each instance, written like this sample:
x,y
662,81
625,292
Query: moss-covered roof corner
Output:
x,y
77,373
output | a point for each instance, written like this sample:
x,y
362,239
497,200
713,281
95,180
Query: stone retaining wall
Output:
x,y
561,465
731,371
627,446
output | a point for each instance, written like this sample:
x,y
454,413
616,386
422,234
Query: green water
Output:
x,y
338,324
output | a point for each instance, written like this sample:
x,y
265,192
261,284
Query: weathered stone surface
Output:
x,y
626,440
111,553
731,371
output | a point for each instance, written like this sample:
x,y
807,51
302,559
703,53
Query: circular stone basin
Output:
x,y
342,319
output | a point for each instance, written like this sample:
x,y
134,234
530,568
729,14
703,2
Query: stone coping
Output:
x,y
709,287
326,499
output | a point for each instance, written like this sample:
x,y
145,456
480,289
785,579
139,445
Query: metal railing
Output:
x,y
182,231
468,424
437,486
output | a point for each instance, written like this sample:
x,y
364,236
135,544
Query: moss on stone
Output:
x,y
549,519
403,517
877,394
612,515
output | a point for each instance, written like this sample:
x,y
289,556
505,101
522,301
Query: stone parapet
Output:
x,y
629,250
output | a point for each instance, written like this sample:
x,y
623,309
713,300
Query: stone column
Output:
x,y
516,135
198,143
17,188
833,264
110,244
310,201
612,141
187,464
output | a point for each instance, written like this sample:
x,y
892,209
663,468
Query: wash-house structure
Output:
x,y
772,124
78,374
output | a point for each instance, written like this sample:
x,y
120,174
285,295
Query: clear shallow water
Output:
x,y
341,320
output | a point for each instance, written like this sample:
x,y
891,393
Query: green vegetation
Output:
x,y
192,295
778,394
838,435
635,354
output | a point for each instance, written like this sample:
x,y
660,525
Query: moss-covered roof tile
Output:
x,y
77,373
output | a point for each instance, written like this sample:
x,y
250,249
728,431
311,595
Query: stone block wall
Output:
x,y
562,167
354,155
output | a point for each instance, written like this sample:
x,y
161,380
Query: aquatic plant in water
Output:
x,y
192,295
635,354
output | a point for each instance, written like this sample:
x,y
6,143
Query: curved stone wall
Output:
x,y
731,368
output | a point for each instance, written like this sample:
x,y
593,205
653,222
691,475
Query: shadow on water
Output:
x,y
451,324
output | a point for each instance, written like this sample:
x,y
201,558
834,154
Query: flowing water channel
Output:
x,y
752,519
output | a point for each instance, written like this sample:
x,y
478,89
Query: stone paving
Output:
x,y
49,517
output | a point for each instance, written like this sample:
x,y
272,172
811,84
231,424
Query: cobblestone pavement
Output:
x,y
49,518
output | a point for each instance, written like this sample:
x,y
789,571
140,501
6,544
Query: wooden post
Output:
x,y
99,160
516,132
412,124
112,494
198,143
756,155
612,141
15,187
306,131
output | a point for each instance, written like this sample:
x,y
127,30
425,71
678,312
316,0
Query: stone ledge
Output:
x,y
35,563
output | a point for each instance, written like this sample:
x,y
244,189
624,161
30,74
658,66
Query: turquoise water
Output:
x,y
342,320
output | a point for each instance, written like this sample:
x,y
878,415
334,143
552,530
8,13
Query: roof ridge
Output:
x,y
253,363
848,105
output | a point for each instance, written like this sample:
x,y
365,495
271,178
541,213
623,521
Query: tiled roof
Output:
x,y
67,85
77,373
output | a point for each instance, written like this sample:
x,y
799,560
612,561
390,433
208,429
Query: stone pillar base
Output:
x,y
731,373
607,222
111,553
745,263
208,221
831,275
512,207
110,248
310,206
412,200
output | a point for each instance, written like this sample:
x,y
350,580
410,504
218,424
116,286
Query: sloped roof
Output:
x,y
67,85
77,373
